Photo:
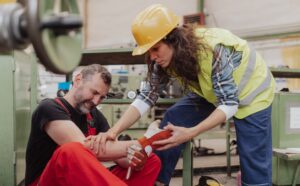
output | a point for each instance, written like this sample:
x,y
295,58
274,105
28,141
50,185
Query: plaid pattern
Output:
x,y
148,95
225,61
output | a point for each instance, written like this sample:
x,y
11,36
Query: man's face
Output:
x,y
90,93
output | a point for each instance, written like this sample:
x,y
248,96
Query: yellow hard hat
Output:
x,y
151,25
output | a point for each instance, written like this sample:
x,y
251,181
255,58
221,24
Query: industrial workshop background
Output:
x,y
271,26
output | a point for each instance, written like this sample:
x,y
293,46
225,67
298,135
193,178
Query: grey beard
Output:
x,y
82,109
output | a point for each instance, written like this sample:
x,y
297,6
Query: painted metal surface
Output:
x,y
285,135
18,80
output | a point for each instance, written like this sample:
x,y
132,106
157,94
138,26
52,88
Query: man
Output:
x,y
58,151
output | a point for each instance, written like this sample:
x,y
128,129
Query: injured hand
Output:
x,y
138,155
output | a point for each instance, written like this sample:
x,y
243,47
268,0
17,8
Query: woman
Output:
x,y
225,77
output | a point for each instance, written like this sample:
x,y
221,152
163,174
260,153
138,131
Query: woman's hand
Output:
x,y
179,136
98,142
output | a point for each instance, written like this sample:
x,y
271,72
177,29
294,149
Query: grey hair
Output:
x,y
88,71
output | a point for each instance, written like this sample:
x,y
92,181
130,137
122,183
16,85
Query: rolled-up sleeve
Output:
x,y
146,99
225,60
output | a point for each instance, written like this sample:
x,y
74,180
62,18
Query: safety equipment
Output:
x,y
52,27
208,181
254,81
152,134
151,25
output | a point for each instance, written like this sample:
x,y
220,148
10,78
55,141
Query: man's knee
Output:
x,y
154,162
70,149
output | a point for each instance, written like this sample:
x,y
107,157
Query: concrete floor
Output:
x,y
221,177
213,165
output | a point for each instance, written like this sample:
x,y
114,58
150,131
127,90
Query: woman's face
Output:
x,y
161,53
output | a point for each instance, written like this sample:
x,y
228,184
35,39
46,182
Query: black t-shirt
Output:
x,y
40,146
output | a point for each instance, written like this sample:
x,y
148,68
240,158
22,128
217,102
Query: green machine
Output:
x,y
18,99
54,30
286,134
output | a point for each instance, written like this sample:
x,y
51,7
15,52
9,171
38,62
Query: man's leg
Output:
x,y
254,143
187,112
145,177
73,164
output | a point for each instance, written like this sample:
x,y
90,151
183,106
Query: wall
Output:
x,y
108,21
255,17
108,25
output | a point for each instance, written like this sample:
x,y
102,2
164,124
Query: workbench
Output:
x,y
285,157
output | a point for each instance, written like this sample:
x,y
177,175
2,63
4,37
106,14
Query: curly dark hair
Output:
x,y
187,47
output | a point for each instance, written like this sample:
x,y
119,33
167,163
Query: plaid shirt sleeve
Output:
x,y
225,60
148,95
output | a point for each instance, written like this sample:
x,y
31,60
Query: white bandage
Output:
x,y
141,106
229,110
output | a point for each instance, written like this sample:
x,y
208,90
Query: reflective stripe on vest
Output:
x,y
246,78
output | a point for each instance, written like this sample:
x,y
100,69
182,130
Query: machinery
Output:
x,y
18,100
285,134
53,29
124,89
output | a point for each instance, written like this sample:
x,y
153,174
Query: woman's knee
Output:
x,y
169,115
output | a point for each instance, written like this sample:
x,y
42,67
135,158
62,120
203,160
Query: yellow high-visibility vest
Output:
x,y
253,78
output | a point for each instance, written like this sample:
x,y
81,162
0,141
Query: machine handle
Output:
x,y
62,22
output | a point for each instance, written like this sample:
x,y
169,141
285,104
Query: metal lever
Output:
x,y
62,22
54,32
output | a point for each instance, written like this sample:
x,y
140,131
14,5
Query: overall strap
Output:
x,y
91,126
89,118
58,101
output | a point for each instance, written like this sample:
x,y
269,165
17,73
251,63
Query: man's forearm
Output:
x,y
122,162
114,149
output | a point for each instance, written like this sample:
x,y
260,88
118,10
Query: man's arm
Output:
x,y
65,131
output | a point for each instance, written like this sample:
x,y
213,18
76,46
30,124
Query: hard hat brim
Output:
x,y
151,25
142,49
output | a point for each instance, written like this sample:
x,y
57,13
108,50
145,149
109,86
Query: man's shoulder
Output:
x,y
47,104
47,100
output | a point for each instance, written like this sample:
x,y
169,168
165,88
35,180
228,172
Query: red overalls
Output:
x,y
73,165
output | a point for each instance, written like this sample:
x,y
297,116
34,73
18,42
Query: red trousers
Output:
x,y
74,165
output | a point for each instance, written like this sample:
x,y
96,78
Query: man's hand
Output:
x,y
98,142
137,157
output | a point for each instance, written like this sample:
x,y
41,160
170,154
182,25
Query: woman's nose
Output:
x,y
153,56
